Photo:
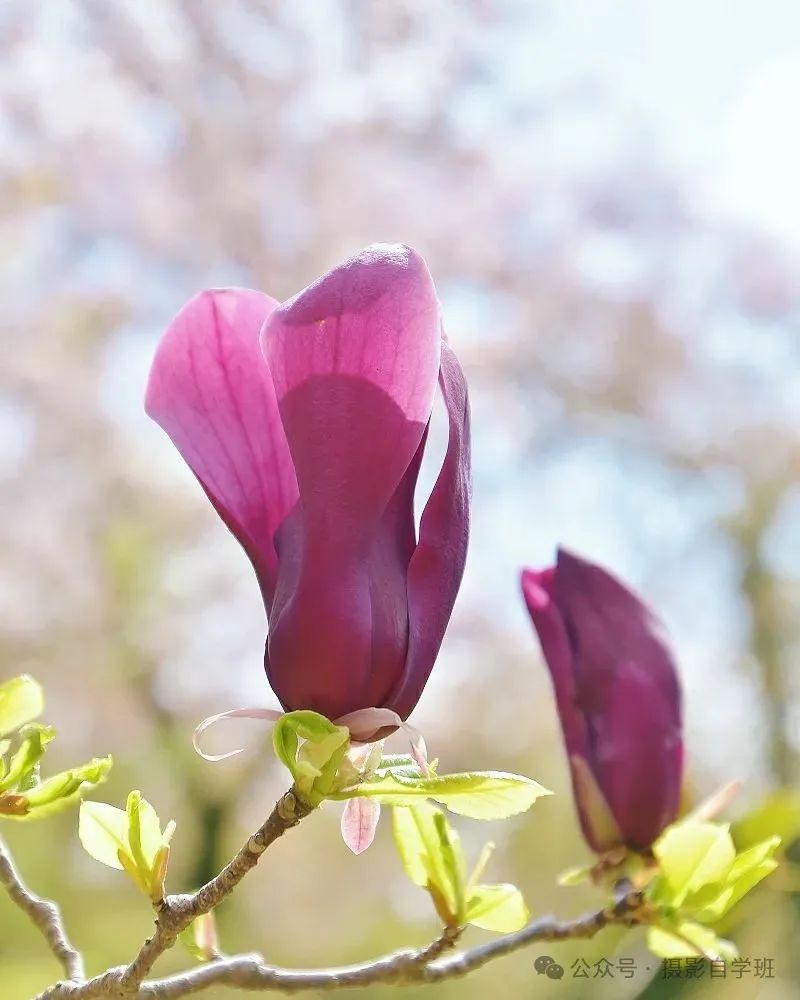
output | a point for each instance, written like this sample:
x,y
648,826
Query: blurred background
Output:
x,y
607,196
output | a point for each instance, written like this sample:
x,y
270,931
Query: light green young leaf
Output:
x,y
691,854
480,865
321,760
497,908
432,857
479,794
144,831
390,761
130,840
34,739
150,831
64,789
301,725
4,746
314,765
411,845
103,831
148,852
454,864
688,939
575,876
21,701
747,870
778,815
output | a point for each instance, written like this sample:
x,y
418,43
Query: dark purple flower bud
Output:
x,y
306,424
618,699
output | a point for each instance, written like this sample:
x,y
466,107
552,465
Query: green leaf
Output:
x,y
64,789
480,865
4,746
150,834
313,766
497,908
431,853
701,877
454,864
575,876
21,701
691,854
479,794
688,939
130,840
137,809
411,845
34,739
394,760
778,815
747,870
321,760
432,857
103,831
305,725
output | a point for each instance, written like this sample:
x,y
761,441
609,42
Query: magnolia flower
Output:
x,y
618,699
305,423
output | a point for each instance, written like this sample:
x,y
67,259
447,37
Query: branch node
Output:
x,y
287,808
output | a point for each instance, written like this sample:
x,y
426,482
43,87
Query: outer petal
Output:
x,y
627,687
639,756
437,565
538,591
211,391
608,626
354,359
594,813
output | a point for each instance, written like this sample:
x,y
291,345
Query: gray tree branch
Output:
x,y
44,913
175,913
250,972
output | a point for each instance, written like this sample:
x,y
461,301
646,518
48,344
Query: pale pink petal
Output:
x,y
718,802
371,724
359,822
270,714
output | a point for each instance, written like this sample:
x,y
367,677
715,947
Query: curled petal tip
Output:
x,y
537,587
270,714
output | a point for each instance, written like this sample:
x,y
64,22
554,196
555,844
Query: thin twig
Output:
x,y
44,913
628,910
250,972
175,913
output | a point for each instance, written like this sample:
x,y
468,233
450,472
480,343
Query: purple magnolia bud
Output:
x,y
618,699
306,424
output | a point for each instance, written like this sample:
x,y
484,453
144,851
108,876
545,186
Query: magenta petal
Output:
x,y
211,391
374,317
618,699
354,360
638,755
609,626
359,823
437,565
538,591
